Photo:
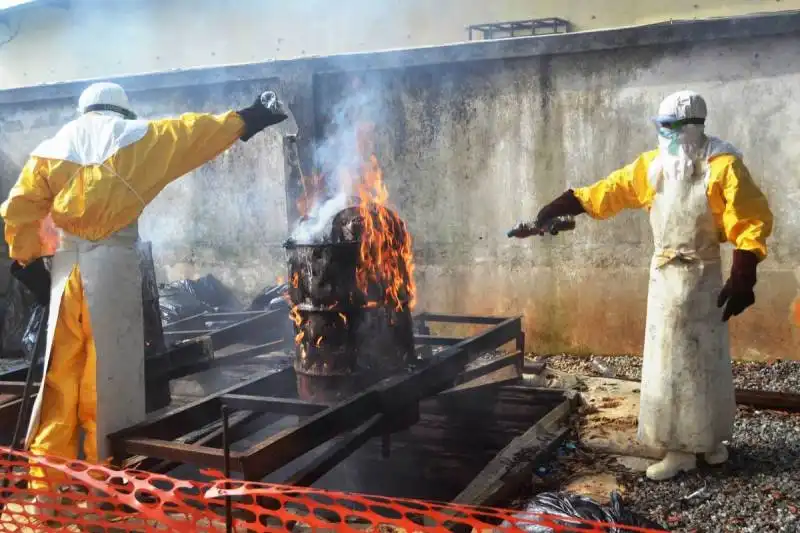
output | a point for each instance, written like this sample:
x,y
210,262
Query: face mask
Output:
x,y
669,139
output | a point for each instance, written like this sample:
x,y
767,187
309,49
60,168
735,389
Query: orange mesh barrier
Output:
x,y
96,498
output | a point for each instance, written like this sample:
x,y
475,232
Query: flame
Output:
x,y
386,245
319,341
385,253
294,314
279,280
796,311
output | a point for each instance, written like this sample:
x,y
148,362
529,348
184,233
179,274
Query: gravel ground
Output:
x,y
779,376
757,491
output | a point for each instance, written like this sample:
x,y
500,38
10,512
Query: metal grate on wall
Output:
x,y
518,28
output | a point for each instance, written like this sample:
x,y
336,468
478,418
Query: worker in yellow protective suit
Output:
x,y
699,193
93,179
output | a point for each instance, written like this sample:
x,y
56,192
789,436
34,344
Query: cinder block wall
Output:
x,y
473,138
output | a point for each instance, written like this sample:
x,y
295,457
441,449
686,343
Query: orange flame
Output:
x,y
796,311
386,246
386,255
294,314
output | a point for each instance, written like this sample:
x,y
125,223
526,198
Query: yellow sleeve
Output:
x,y
627,187
27,206
188,141
746,216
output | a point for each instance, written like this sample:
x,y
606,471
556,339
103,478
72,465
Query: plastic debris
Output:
x,y
564,504
185,298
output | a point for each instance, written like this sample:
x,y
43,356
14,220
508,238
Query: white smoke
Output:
x,y
340,160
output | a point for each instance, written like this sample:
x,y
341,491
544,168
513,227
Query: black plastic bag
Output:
x,y
177,301
20,304
36,322
185,298
563,504
266,299
215,294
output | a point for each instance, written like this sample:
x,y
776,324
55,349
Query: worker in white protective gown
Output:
x,y
93,179
699,193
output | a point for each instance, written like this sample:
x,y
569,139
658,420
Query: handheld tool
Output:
x,y
553,227
287,128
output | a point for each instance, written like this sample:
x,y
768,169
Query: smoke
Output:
x,y
339,158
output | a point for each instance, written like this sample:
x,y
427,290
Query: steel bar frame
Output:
x,y
365,414
255,326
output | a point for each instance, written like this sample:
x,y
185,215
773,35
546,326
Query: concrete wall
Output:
x,y
474,138
94,38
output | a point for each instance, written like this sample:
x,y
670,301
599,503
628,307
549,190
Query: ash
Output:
x,y
757,490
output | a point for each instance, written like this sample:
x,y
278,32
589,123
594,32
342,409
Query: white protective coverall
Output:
x,y
94,178
699,193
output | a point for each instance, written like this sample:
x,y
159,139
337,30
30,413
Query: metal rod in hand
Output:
x,y
226,454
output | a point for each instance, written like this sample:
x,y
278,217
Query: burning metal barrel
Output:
x,y
352,295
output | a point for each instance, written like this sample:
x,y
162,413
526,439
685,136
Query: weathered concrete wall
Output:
x,y
475,137
156,35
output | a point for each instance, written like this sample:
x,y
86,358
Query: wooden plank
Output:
x,y
179,452
272,404
758,399
323,464
514,465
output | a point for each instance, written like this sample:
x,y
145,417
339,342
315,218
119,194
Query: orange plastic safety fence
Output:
x,y
82,497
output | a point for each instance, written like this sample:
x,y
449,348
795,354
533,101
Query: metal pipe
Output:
x,y
226,451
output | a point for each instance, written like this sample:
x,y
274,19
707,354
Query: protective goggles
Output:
x,y
127,113
672,124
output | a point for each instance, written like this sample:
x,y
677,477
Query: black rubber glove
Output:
x,y
737,294
264,112
565,205
35,277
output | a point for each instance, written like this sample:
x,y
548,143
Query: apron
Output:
x,y
687,394
112,285
111,280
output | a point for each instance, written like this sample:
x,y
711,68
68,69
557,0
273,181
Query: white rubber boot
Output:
x,y
718,456
671,465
